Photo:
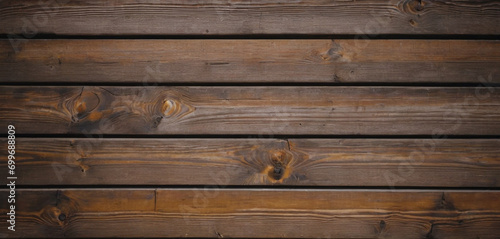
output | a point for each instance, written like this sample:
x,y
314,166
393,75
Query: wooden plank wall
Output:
x,y
251,119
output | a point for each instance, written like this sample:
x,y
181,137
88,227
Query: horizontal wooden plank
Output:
x,y
254,213
243,61
251,110
305,162
202,17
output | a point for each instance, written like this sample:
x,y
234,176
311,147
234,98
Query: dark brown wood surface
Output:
x,y
251,110
251,119
301,162
150,62
215,212
201,17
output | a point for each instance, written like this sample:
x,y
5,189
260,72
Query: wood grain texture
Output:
x,y
242,61
300,162
255,213
202,17
251,110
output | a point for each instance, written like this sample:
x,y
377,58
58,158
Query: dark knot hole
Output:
x,y
278,172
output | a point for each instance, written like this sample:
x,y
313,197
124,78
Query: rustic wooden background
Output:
x,y
264,119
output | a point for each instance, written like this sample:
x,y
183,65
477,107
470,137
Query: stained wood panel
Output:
x,y
150,17
252,119
243,61
251,110
255,213
301,162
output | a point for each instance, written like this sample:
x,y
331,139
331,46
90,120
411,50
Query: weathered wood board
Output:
x,y
250,119
201,17
216,212
259,161
252,110
153,61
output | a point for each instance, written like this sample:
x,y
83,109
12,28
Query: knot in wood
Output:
x,y
62,217
334,53
172,108
279,168
411,6
169,107
276,173
416,5
82,106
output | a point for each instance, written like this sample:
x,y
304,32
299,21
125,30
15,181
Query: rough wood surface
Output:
x,y
202,17
301,162
251,110
242,61
319,161
213,212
